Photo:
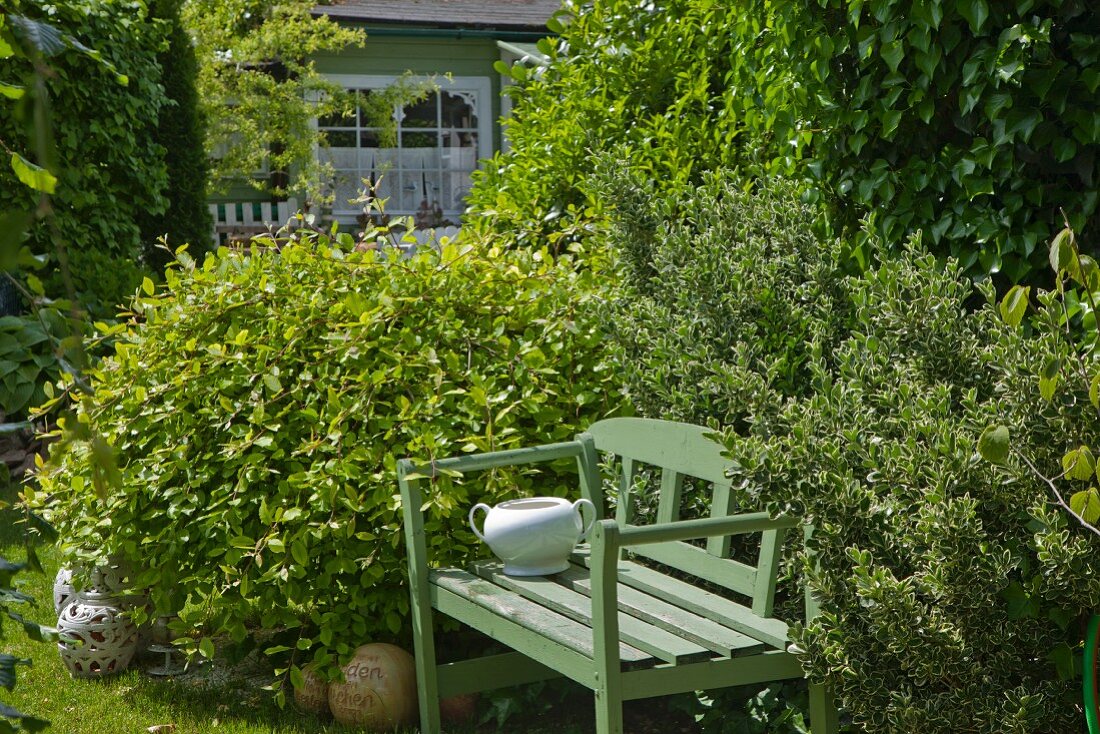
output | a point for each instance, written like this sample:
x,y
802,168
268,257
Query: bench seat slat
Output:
x,y
698,629
704,603
543,590
528,615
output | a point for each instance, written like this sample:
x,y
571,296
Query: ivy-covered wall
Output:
x,y
101,131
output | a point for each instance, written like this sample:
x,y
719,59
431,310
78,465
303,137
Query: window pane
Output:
x,y
456,184
419,140
458,110
340,138
421,114
419,158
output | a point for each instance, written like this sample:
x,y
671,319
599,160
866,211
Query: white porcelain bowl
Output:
x,y
533,536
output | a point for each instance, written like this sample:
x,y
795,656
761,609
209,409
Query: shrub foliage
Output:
x,y
258,405
954,592
972,121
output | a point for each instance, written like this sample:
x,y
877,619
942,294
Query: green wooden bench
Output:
x,y
618,627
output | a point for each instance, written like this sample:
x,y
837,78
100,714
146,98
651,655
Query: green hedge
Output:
x,y
972,121
954,593
101,127
259,404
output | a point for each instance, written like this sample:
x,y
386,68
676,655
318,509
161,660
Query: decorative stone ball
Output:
x,y
379,692
62,589
95,637
458,709
312,696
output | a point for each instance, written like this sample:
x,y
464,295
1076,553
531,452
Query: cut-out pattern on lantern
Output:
x,y
62,589
96,638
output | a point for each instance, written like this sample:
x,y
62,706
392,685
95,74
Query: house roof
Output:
x,y
504,14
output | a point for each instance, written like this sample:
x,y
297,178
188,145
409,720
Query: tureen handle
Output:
x,y
475,508
576,508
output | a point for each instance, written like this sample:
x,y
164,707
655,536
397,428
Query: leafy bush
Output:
x,y
954,597
32,351
954,594
101,146
258,405
181,132
972,121
725,296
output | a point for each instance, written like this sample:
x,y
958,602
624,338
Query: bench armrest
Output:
x,y
703,528
406,469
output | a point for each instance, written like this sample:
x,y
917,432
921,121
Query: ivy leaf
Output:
x,y
1014,304
1020,604
993,444
13,224
975,12
1086,504
1079,463
37,177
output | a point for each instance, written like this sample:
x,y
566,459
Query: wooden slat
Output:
x,y
665,679
690,626
668,502
490,672
704,603
725,572
646,637
678,446
721,505
767,571
504,605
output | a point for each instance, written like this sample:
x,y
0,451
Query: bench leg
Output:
x,y
427,684
823,713
609,713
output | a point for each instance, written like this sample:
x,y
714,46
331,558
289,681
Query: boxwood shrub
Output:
x,y
955,593
257,406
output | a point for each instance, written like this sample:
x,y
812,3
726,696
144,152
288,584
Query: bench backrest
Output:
x,y
678,451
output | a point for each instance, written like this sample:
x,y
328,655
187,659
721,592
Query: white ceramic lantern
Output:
x,y
62,589
96,637
533,536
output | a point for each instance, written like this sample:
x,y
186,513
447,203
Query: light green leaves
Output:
x,y
1063,252
993,444
1014,304
1086,504
1079,463
32,175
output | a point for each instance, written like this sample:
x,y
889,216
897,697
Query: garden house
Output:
x,y
441,139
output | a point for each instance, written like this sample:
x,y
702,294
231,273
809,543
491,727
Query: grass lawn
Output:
x,y
134,701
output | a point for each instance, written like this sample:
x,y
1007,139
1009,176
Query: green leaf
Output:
x,y
36,177
1063,255
1062,657
1079,463
1048,378
975,12
1094,391
13,225
1086,504
147,286
272,383
44,37
1014,304
993,444
12,91
206,648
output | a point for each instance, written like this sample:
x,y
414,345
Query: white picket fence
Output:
x,y
242,219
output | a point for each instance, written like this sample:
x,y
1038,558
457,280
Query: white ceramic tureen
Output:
x,y
533,536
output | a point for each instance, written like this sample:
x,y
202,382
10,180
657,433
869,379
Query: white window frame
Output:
x,y
479,85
